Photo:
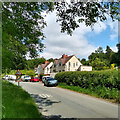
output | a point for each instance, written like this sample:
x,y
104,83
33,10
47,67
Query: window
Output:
x,y
59,63
69,64
73,64
59,70
76,63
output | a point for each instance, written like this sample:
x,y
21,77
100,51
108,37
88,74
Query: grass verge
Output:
x,y
99,93
17,103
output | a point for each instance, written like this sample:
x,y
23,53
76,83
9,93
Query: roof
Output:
x,y
63,60
45,65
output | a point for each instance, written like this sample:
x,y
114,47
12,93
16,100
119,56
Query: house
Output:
x,y
44,68
36,70
66,63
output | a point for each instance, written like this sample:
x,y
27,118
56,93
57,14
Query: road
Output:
x,y
54,102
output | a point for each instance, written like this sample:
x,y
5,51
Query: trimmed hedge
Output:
x,y
105,83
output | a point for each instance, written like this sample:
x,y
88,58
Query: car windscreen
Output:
x,y
51,79
26,76
36,77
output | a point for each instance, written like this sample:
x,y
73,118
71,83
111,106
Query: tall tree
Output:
x,y
115,58
109,53
23,22
98,60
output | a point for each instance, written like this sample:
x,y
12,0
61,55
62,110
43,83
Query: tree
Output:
x,y
99,64
115,58
31,64
84,62
51,60
70,15
97,54
99,60
108,53
23,23
99,50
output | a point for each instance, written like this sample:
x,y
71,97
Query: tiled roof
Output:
x,y
63,60
45,65
56,61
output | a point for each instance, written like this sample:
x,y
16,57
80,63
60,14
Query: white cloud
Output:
x,y
99,27
58,43
114,48
114,28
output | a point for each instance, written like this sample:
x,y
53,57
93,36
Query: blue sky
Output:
x,y
83,41
103,39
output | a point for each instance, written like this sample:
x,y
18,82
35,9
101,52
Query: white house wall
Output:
x,y
47,70
74,64
85,68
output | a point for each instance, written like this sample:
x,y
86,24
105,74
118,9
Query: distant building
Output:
x,y
65,63
45,68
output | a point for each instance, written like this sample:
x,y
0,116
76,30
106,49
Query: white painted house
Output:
x,y
65,63
45,68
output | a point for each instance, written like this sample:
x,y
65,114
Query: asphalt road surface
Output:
x,y
54,102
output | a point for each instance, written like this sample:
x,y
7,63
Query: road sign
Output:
x,y
18,77
18,72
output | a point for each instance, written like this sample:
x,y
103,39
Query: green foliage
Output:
x,y
30,73
100,60
23,23
115,58
17,103
31,64
24,72
99,64
84,61
51,60
71,14
104,83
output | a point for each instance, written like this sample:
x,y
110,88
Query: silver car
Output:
x,y
26,78
44,78
50,82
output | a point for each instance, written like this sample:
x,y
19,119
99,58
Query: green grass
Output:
x,y
17,103
111,95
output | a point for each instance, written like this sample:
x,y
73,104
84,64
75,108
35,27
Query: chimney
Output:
x,y
46,62
64,56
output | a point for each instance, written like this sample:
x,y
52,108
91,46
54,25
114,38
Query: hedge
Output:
x,y
105,83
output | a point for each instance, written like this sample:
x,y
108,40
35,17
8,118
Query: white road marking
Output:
x,y
45,95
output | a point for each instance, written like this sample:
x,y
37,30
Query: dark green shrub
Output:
x,y
104,83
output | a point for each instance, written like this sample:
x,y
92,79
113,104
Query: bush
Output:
x,y
105,83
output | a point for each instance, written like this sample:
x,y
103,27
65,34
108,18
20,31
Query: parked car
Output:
x,y
12,77
34,79
6,77
26,78
9,77
50,82
45,78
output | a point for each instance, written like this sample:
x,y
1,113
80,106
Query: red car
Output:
x,y
34,79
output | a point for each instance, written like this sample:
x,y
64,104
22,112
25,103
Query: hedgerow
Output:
x,y
105,83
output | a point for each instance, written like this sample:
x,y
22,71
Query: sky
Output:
x,y
83,41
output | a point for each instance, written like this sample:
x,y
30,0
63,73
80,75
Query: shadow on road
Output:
x,y
42,103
